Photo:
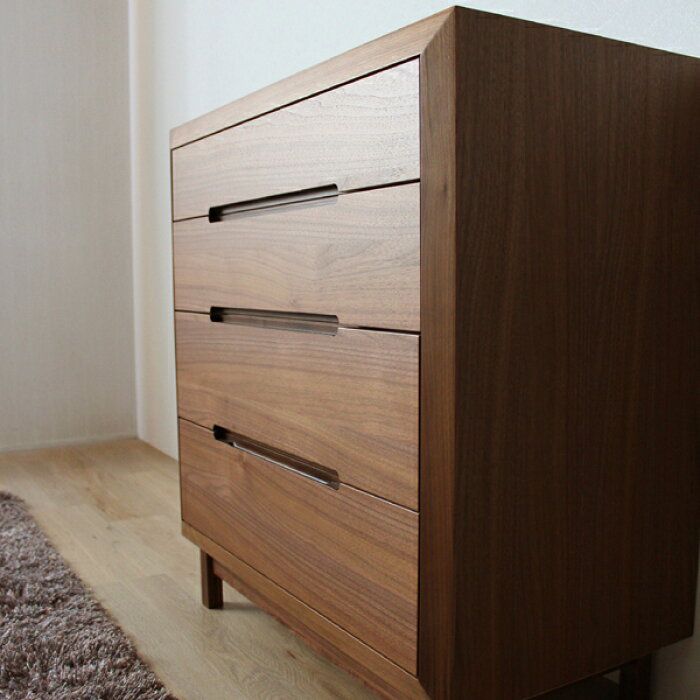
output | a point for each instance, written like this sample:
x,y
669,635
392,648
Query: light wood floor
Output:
x,y
112,510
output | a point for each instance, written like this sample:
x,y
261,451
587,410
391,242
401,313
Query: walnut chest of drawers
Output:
x,y
435,313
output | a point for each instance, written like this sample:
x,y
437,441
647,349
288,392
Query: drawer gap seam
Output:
x,y
275,320
313,195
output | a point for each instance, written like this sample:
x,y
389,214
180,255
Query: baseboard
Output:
x,y
68,442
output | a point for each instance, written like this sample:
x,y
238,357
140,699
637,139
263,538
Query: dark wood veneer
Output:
x,y
559,480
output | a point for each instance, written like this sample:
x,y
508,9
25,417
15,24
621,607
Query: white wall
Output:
x,y
190,56
66,330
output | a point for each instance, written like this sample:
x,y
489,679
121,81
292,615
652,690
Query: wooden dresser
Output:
x,y
436,309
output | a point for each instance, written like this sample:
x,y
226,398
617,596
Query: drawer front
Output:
x,y
348,401
355,256
350,556
362,134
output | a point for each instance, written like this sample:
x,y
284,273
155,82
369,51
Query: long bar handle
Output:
x,y
311,194
296,465
279,320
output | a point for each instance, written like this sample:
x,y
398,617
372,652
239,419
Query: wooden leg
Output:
x,y
635,680
212,585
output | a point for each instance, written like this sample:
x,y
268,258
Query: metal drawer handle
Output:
x,y
276,200
279,320
296,465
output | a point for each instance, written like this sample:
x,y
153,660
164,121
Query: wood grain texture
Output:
x,y
383,676
392,48
363,134
354,256
438,363
575,471
348,555
348,402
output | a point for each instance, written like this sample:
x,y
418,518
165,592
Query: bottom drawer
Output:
x,y
347,554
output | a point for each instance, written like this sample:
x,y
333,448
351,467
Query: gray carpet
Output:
x,y
56,641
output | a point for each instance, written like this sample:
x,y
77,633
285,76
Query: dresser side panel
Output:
x,y
577,290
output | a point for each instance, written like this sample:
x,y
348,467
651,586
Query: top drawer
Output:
x,y
362,134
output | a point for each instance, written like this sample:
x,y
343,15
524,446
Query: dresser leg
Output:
x,y
635,680
212,585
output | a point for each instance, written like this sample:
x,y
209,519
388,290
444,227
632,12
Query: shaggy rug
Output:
x,y
56,641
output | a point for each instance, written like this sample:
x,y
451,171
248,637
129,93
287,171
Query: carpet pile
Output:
x,y
56,640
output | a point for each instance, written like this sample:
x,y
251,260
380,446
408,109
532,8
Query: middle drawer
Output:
x,y
354,255
347,401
